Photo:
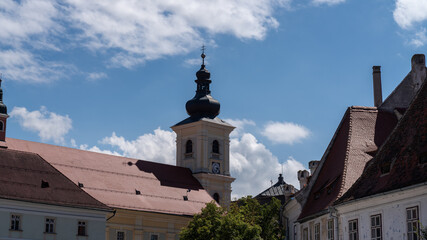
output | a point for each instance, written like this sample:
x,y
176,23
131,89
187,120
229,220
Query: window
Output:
x,y
81,228
15,222
1,126
305,234
154,237
189,147
330,229
412,223
353,230
376,233
317,231
215,147
295,232
216,197
120,235
49,225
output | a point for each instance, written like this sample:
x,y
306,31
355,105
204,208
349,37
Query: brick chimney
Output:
x,y
303,178
378,97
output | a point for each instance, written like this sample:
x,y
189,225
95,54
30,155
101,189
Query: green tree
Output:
x,y
245,220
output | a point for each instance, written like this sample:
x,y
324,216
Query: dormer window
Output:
x,y
215,147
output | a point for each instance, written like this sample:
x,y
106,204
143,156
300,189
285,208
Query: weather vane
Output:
x,y
203,54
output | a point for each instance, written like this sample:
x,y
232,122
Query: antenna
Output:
x,y
282,168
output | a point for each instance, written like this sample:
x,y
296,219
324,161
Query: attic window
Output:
x,y
137,192
45,184
81,185
185,198
386,166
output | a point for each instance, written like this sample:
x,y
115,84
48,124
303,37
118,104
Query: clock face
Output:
x,y
215,168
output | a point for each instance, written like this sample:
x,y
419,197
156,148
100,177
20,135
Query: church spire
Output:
x,y
3,108
203,104
3,118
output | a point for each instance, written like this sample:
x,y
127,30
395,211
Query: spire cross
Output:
x,y
203,54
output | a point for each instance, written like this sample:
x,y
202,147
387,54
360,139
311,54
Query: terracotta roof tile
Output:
x,y
114,180
361,132
398,163
28,177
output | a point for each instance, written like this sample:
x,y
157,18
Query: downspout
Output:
x,y
333,213
114,214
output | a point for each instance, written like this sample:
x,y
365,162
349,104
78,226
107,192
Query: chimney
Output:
x,y
313,166
303,178
376,73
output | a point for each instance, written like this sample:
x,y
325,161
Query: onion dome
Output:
x,y
3,108
203,104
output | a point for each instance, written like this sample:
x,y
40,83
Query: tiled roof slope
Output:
x,y
115,180
361,132
279,190
402,155
21,176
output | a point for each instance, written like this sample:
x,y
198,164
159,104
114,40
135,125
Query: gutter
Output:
x,y
381,194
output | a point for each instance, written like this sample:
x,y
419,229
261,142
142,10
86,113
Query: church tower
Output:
x,y
203,142
3,118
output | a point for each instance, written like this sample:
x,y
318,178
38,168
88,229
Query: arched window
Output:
x,y
189,147
215,146
1,126
216,197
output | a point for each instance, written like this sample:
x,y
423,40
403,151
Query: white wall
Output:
x,y
391,206
66,220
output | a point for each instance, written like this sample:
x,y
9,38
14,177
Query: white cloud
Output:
x,y
21,21
96,76
253,166
240,125
420,38
328,2
157,147
146,30
21,65
285,132
97,149
408,12
48,125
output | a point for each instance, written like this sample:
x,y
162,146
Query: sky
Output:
x,y
112,76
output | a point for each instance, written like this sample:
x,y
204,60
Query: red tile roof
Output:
x,y
114,180
399,162
27,177
360,133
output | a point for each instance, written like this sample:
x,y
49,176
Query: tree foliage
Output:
x,y
245,220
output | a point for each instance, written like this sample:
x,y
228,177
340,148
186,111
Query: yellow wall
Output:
x,y
138,225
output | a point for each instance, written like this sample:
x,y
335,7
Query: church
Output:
x,y
56,192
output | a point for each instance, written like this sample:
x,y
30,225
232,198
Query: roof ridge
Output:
x,y
104,171
347,153
142,194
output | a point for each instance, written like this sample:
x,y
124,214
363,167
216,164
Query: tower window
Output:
x,y
1,126
189,147
216,197
215,147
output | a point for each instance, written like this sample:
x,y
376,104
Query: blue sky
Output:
x,y
113,76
